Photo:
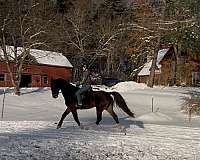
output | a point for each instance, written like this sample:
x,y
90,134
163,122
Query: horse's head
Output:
x,y
67,89
55,88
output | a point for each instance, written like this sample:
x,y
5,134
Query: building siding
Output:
x,y
38,74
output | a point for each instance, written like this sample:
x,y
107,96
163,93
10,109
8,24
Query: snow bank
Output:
x,y
128,86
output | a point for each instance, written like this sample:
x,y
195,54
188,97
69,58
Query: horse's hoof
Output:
x,y
58,126
120,126
81,127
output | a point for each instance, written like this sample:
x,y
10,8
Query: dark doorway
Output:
x,y
196,78
25,81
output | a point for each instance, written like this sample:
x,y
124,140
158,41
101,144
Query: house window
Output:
x,y
45,80
2,77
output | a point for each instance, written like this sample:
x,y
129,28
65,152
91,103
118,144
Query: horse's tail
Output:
x,y
119,100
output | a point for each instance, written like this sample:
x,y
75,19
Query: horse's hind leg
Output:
x,y
67,111
112,113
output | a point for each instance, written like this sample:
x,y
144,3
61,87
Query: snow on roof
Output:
x,y
161,54
41,56
10,52
146,69
50,58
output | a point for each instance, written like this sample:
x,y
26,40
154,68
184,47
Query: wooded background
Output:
x,y
112,37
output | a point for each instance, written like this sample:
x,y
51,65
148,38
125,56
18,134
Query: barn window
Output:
x,y
2,77
45,80
196,78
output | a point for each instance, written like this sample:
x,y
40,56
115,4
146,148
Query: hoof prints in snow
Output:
x,y
43,141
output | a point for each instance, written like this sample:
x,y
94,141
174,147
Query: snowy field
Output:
x,y
28,129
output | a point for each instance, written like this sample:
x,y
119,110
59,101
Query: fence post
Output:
x,y
3,105
152,107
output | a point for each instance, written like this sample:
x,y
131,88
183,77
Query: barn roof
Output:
x,y
41,56
50,58
146,69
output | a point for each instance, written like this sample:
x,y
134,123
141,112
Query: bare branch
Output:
x,y
36,34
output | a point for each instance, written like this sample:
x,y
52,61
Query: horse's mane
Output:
x,y
67,88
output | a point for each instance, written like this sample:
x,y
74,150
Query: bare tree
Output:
x,y
158,31
25,33
108,35
90,39
75,33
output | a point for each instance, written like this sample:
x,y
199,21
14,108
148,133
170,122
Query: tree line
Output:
x,y
111,36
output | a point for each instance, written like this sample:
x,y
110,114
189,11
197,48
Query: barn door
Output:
x,y
26,81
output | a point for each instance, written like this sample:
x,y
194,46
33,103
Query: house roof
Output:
x,y
146,69
41,56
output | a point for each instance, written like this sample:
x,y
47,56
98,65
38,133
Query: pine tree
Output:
x,y
112,8
63,5
184,34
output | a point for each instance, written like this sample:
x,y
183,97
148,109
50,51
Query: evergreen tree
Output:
x,y
186,31
63,5
112,8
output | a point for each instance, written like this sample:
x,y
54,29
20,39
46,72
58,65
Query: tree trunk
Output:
x,y
154,65
108,63
177,74
180,66
8,65
174,67
18,78
15,82
17,90
156,49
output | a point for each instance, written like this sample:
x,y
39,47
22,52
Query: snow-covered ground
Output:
x,y
28,130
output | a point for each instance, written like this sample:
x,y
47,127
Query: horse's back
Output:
x,y
102,96
101,93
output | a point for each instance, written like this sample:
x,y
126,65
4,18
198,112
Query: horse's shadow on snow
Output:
x,y
35,90
24,90
126,121
131,122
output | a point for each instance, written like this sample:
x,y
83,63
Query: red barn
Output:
x,y
42,66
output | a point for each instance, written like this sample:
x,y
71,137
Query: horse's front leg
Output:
x,y
75,115
99,115
67,111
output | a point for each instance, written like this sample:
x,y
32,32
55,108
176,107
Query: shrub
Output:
x,y
191,105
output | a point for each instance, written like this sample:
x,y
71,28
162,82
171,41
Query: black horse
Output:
x,y
100,99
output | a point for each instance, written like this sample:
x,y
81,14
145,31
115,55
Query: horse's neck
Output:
x,y
63,89
68,90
